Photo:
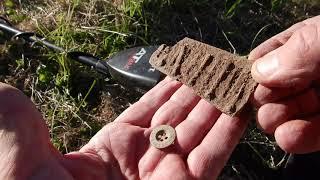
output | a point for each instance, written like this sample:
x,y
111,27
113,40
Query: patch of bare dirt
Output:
x,y
106,110
114,100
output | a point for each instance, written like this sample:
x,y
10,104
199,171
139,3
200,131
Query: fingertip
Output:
x,y
261,96
299,136
287,138
271,115
262,122
267,47
252,56
257,52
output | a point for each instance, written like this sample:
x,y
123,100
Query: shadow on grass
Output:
x,y
226,24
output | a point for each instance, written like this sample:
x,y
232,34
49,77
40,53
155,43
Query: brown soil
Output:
x,y
216,75
106,111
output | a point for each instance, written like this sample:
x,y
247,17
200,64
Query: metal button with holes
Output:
x,y
162,136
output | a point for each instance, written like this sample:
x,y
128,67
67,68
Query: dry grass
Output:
x,y
77,102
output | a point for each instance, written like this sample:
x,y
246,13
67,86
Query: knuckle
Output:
x,y
314,20
306,39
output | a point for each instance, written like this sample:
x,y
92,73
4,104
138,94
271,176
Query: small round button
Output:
x,y
162,136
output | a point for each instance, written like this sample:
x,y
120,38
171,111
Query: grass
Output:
x,y
77,101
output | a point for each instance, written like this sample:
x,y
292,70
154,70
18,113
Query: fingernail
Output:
x,y
267,65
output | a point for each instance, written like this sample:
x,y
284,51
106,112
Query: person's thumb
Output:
x,y
297,62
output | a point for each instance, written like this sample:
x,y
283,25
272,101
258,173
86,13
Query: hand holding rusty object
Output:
x,y
287,68
204,140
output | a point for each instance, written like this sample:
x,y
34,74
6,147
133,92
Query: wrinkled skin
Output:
x,y
287,67
121,150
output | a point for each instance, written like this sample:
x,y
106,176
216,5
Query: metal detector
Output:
x,y
129,67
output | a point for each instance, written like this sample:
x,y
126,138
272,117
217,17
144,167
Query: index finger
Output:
x,y
141,112
274,42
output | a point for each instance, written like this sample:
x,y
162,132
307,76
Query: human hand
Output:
x,y
287,67
121,150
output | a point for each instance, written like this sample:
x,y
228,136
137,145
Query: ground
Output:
x,y
77,102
